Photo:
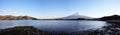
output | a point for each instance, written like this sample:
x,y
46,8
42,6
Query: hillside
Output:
x,y
113,17
17,18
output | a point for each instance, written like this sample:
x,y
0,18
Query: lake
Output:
x,y
67,26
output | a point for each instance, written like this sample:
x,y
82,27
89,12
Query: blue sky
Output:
x,y
59,8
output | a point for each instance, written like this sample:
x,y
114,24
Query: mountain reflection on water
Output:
x,y
67,26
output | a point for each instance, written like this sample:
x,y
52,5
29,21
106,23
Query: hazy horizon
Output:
x,y
59,8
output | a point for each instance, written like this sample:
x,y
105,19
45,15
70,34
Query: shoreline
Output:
x,y
113,29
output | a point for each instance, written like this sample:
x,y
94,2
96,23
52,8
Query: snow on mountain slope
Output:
x,y
75,16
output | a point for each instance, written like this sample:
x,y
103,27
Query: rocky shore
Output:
x,y
22,30
27,30
114,21
113,28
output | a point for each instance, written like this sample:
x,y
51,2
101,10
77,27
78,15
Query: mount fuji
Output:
x,y
76,16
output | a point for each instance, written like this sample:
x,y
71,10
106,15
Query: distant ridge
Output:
x,y
9,17
113,17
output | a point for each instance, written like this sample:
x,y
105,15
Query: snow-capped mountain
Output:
x,y
76,16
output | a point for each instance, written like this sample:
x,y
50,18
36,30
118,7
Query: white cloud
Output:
x,y
2,11
13,13
6,12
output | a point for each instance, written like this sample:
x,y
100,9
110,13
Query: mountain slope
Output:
x,y
76,16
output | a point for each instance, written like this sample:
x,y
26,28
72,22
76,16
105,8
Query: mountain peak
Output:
x,y
75,16
76,13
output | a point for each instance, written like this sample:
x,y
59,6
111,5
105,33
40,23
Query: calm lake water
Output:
x,y
67,26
